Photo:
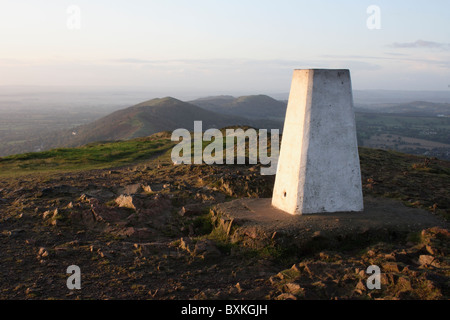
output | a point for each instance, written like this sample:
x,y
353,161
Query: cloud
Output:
x,y
396,58
254,63
11,62
397,54
421,44
132,60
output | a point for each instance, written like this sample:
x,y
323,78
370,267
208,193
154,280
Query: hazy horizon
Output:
x,y
113,97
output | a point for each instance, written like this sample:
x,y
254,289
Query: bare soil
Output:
x,y
151,231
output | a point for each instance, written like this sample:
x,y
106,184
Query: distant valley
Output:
x,y
415,108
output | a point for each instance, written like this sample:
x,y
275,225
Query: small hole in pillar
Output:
x,y
284,194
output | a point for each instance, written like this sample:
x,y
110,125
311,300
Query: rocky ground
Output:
x,y
146,232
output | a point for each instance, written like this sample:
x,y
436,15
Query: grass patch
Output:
x,y
203,224
414,237
91,156
221,241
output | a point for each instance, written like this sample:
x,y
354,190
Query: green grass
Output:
x,y
91,156
98,155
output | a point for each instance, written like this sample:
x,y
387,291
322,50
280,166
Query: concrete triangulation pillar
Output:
x,y
318,168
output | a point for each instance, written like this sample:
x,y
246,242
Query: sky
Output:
x,y
220,46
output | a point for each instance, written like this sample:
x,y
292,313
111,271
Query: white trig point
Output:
x,y
318,168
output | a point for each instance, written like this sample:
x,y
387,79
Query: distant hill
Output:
x,y
252,107
372,98
144,119
378,97
141,120
265,107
